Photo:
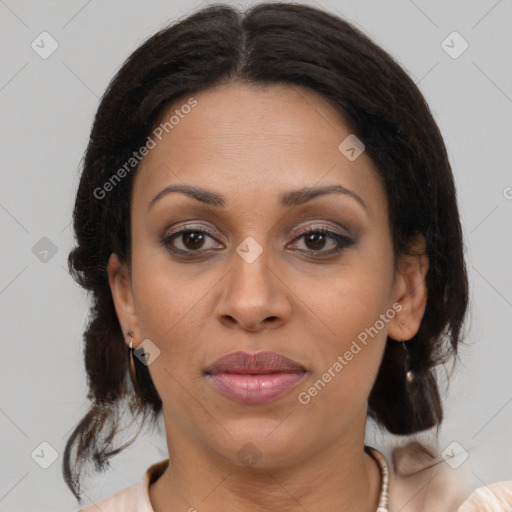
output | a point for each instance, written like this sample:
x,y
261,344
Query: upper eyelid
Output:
x,y
191,227
319,224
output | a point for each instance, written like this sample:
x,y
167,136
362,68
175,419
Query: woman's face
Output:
x,y
248,279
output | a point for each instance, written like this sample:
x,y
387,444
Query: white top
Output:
x,y
431,491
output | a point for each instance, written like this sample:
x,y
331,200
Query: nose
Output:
x,y
254,296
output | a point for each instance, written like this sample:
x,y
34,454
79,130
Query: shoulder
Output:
x,y
421,480
134,498
128,500
495,497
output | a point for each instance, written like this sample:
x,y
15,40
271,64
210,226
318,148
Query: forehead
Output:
x,y
243,139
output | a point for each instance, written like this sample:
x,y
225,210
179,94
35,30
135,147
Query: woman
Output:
x,y
267,222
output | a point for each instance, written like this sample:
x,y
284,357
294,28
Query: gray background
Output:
x,y
47,111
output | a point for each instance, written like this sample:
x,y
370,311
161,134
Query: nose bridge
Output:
x,y
250,279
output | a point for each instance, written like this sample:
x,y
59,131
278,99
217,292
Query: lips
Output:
x,y
254,378
261,362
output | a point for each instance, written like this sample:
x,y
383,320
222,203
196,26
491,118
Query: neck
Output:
x,y
340,477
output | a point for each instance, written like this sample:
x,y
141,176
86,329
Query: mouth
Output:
x,y
254,378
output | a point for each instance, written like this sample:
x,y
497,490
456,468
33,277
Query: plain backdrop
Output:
x,y
47,107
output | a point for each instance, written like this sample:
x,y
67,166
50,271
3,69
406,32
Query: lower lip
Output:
x,y
255,389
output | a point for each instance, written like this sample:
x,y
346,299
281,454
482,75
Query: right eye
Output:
x,y
188,240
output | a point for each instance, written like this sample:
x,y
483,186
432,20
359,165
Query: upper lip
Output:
x,y
258,363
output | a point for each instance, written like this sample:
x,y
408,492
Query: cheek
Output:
x,y
354,306
347,362
161,292
172,305
353,298
169,313
159,300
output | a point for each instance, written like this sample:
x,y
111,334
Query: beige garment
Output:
x,y
494,497
134,498
431,489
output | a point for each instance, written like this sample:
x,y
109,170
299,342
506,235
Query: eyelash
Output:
x,y
342,241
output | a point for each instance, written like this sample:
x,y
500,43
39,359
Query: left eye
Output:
x,y
315,240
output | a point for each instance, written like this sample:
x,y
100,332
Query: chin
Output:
x,y
262,443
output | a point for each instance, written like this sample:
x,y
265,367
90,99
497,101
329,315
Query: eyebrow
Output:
x,y
290,198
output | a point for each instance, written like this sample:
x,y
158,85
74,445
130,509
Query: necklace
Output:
x,y
384,471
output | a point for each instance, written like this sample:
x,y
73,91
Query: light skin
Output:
x,y
250,144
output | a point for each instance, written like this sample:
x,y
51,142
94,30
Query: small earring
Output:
x,y
132,360
409,374
132,350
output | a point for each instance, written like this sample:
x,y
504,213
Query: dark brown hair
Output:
x,y
271,43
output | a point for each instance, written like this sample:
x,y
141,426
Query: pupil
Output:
x,y
317,239
195,240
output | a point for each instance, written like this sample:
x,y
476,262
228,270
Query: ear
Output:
x,y
410,290
120,287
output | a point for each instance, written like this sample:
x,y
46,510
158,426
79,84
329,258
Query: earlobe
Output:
x,y
120,287
410,291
